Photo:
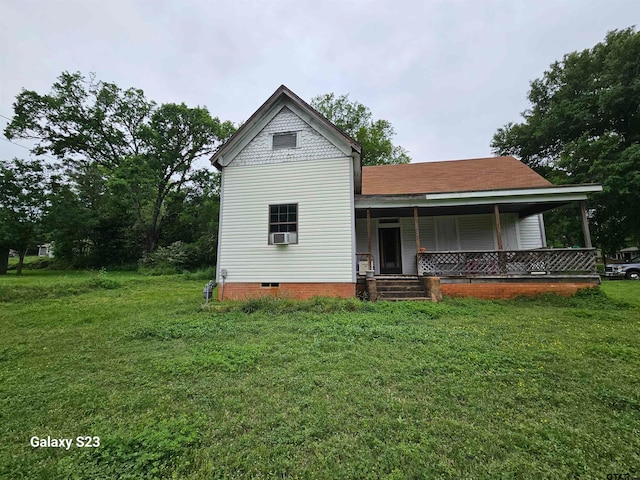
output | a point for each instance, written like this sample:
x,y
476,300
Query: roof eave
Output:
x,y
551,194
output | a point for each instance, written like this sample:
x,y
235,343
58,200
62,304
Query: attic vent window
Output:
x,y
285,140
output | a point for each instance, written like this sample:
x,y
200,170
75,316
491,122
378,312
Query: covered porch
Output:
x,y
472,238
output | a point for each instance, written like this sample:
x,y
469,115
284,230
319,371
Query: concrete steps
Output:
x,y
395,288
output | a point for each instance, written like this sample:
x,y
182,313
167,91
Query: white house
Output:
x,y
45,250
301,217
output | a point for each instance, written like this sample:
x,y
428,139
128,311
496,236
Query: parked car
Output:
x,y
629,270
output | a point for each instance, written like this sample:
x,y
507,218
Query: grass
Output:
x,y
29,259
531,388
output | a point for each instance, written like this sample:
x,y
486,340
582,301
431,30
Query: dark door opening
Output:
x,y
390,258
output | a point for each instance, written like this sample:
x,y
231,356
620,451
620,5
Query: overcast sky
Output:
x,y
446,74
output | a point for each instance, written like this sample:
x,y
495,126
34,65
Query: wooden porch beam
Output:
x,y
585,225
496,211
417,228
369,237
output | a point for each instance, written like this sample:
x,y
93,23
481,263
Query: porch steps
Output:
x,y
396,288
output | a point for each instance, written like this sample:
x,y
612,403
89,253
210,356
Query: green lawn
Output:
x,y
543,388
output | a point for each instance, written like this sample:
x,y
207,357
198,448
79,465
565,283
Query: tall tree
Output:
x,y
177,136
92,226
82,121
136,151
72,223
584,126
356,120
22,206
192,217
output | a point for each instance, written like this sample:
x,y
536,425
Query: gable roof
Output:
x,y
281,97
480,174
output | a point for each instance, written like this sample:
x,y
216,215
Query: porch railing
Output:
x,y
508,262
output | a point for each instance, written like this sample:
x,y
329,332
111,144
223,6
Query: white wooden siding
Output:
x,y
531,232
476,232
427,229
322,189
509,227
361,235
446,234
311,144
408,242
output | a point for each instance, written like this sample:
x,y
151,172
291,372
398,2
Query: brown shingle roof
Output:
x,y
496,173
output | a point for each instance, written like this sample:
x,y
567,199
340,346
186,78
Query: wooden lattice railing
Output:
x,y
508,262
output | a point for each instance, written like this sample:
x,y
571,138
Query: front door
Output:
x,y
390,258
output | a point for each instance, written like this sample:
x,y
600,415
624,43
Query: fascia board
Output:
x,y
220,226
336,140
544,195
516,192
250,133
357,172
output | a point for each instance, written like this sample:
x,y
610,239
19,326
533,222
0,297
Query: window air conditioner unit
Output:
x,y
283,238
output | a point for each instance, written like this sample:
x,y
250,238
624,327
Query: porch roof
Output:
x,y
523,201
479,174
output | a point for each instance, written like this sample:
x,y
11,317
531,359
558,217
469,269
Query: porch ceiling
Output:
x,y
522,209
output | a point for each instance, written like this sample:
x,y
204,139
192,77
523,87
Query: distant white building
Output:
x,y
45,250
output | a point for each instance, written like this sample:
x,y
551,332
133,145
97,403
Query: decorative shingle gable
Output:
x,y
311,145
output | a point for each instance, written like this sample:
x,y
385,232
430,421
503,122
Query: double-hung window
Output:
x,y
283,218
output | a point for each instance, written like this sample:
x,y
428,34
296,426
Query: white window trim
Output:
x,y
295,234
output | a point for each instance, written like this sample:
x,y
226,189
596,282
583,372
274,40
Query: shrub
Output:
x,y
166,260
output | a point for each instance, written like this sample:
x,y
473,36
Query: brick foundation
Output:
x,y
300,291
510,290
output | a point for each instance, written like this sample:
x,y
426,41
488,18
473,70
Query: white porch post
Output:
x,y
417,228
496,212
502,259
585,224
369,238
